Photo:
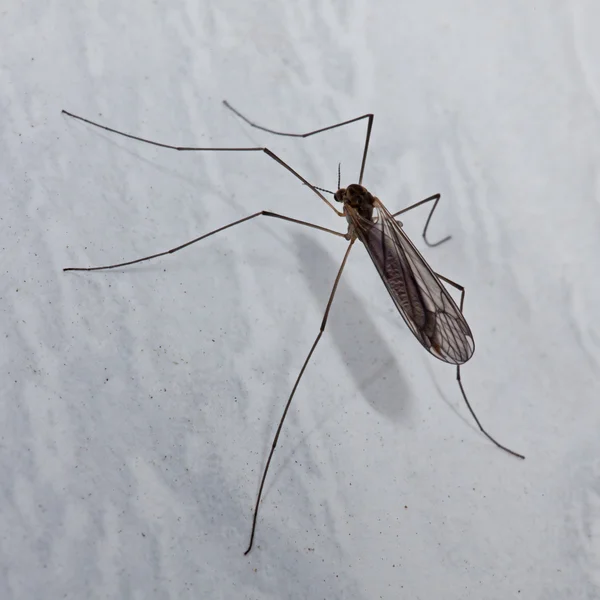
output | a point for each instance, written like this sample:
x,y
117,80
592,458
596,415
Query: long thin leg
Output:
x,y
457,286
287,406
462,389
305,135
435,197
194,149
264,213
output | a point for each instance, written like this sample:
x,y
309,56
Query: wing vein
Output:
x,y
424,303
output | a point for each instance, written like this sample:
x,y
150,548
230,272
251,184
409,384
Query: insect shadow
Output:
x,y
369,360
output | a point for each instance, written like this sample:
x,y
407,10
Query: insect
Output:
x,y
417,291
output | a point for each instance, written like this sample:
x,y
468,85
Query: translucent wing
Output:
x,y
423,301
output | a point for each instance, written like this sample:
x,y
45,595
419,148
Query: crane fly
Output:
x,y
417,291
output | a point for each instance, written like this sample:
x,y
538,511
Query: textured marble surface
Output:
x,y
138,405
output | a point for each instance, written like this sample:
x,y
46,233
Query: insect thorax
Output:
x,y
358,198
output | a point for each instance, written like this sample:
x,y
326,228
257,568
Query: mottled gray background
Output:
x,y
138,405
